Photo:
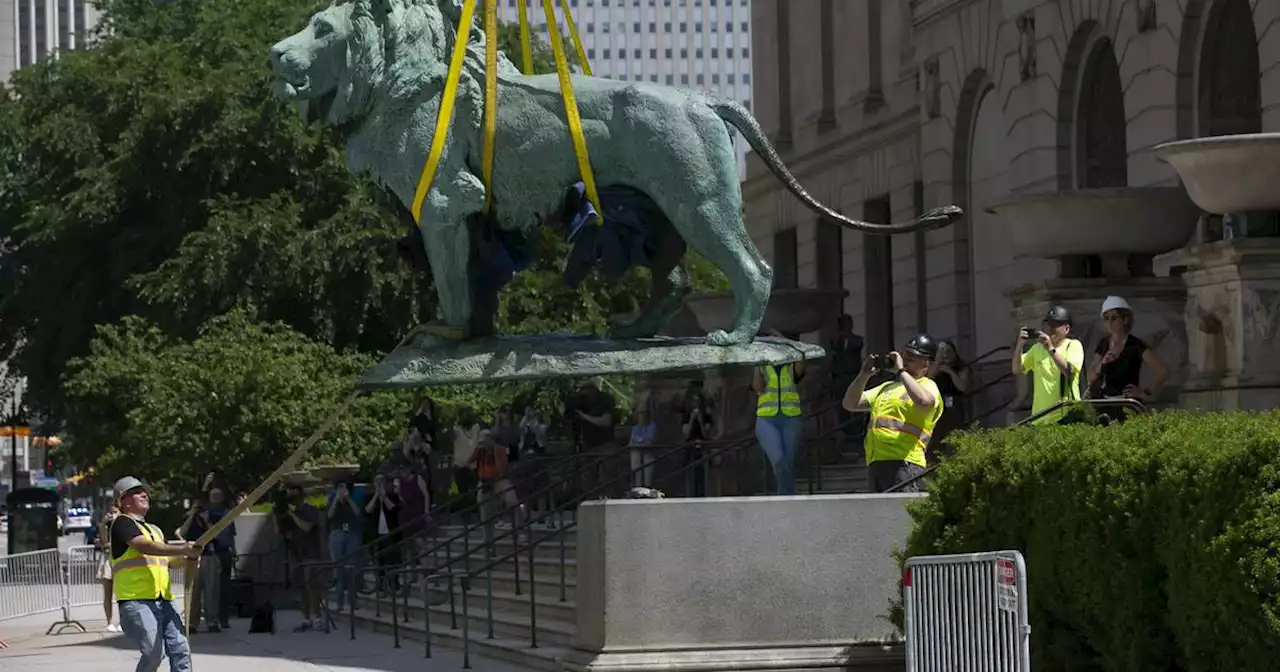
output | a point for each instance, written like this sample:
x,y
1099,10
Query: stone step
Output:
x,y
545,568
549,549
505,600
506,624
548,588
545,658
834,485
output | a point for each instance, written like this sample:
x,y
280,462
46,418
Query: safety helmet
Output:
x,y
922,345
1115,303
1058,315
126,485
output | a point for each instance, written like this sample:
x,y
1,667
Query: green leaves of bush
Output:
x,y
1150,545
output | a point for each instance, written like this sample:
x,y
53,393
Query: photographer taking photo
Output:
x,y
904,411
299,524
1054,361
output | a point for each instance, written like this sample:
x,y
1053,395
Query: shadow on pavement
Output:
x,y
236,650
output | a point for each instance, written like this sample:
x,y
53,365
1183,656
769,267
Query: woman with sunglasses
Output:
x,y
1118,359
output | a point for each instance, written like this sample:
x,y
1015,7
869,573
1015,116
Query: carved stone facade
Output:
x,y
985,101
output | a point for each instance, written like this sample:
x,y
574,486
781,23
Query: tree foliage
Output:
x,y
239,398
155,198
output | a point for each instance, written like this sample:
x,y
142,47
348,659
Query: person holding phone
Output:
x,y
344,514
1054,361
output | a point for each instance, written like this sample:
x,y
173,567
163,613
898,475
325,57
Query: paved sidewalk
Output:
x,y
234,651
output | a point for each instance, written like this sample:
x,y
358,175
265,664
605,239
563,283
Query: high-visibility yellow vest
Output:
x,y
779,393
136,576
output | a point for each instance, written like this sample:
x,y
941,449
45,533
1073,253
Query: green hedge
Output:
x,y
1150,545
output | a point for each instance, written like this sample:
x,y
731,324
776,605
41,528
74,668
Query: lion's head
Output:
x,y
354,52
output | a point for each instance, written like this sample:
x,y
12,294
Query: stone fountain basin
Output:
x,y
1228,173
1123,220
801,310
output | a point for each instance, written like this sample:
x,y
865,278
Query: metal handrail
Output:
x,y
466,576
348,563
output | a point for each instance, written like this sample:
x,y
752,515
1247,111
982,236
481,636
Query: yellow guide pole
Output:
x,y
577,43
445,115
526,50
571,108
490,97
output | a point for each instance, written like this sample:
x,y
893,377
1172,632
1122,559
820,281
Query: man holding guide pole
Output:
x,y
140,571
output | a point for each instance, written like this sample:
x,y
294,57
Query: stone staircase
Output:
x,y
843,470
511,634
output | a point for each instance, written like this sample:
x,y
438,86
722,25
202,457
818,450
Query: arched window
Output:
x,y
1102,152
1229,78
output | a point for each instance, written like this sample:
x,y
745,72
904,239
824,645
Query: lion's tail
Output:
x,y
737,116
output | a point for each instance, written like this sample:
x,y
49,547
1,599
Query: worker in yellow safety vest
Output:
x,y
140,572
778,419
903,411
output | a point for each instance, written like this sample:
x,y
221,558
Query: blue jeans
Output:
x,y
779,436
343,546
156,627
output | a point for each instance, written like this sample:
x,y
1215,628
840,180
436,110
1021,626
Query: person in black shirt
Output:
x,y
697,425
299,524
953,377
424,420
382,516
846,362
1116,370
592,414
147,613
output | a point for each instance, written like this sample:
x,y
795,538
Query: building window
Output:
x,y
684,53
607,53
728,26
699,80
684,80
591,53
715,79
785,260
669,82
591,27
667,52
877,263
653,53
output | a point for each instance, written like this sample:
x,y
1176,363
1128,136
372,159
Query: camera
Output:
x,y
1033,334
882,362
280,502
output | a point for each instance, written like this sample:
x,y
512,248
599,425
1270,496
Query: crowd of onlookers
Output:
x,y
901,406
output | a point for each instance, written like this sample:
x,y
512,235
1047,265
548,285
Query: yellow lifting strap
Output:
x,y
445,116
573,33
490,98
526,49
571,104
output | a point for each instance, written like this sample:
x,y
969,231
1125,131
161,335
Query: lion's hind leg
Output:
x,y
716,230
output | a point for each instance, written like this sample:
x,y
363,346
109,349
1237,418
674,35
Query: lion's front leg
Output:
x,y
447,239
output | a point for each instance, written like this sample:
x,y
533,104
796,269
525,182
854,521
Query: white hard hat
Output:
x,y
1115,303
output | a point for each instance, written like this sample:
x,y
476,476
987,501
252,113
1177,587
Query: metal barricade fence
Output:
x,y
967,612
30,584
41,582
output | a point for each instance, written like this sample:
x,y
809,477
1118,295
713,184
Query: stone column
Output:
x,y
1232,315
